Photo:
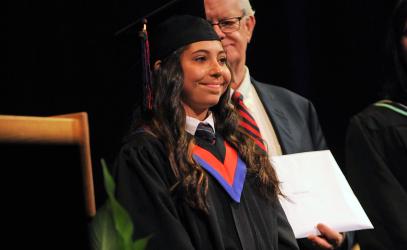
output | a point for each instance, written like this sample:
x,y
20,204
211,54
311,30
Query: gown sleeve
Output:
x,y
377,188
286,238
143,179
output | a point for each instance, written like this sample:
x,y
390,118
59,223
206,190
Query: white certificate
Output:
x,y
317,192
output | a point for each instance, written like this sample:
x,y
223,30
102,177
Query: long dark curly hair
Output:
x,y
396,68
166,121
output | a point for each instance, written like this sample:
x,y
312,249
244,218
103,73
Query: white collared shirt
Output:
x,y
192,123
252,101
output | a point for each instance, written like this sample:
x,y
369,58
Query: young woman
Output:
x,y
189,177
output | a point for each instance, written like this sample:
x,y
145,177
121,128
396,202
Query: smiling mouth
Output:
x,y
213,85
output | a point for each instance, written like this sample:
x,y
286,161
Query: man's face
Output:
x,y
235,43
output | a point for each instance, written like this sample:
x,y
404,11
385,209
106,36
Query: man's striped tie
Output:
x,y
247,121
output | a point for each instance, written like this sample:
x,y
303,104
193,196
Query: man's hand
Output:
x,y
329,238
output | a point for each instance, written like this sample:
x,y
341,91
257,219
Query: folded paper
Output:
x,y
317,192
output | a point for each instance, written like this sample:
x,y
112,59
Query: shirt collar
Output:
x,y
192,123
244,88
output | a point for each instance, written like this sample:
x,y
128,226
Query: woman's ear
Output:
x,y
157,65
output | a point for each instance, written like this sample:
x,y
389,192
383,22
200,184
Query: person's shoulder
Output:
x,y
369,110
283,99
144,153
278,92
142,141
379,115
373,110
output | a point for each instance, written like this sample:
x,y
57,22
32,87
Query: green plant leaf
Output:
x,y
141,243
112,227
108,180
102,231
121,218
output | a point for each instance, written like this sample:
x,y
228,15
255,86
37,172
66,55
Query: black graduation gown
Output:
x,y
144,177
376,167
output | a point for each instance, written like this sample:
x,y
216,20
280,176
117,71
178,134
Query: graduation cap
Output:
x,y
172,25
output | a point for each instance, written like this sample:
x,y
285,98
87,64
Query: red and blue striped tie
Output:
x,y
247,121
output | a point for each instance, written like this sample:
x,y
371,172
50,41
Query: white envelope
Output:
x,y
317,192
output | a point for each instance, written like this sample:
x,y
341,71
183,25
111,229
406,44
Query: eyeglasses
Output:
x,y
229,24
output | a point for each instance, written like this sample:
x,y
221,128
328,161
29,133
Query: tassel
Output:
x,y
147,94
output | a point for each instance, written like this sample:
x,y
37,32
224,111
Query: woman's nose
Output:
x,y
216,70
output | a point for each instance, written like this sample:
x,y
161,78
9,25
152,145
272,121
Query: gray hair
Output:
x,y
247,7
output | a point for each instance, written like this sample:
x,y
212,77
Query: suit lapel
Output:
x,y
276,115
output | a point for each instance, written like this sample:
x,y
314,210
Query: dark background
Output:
x,y
62,57
43,205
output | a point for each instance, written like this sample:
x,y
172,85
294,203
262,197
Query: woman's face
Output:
x,y
206,76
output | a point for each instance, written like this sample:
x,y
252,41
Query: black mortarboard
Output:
x,y
173,25
178,31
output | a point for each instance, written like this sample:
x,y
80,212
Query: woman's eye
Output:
x,y
222,60
200,59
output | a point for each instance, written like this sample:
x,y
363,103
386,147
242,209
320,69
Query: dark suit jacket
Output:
x,y
296,124
293,117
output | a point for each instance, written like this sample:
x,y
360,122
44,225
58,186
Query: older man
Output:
x,y
286,121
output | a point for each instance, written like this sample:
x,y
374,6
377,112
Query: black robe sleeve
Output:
x,y
286,238
376,167
143,180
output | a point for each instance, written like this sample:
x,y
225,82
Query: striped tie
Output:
x,y
247,121
205,132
